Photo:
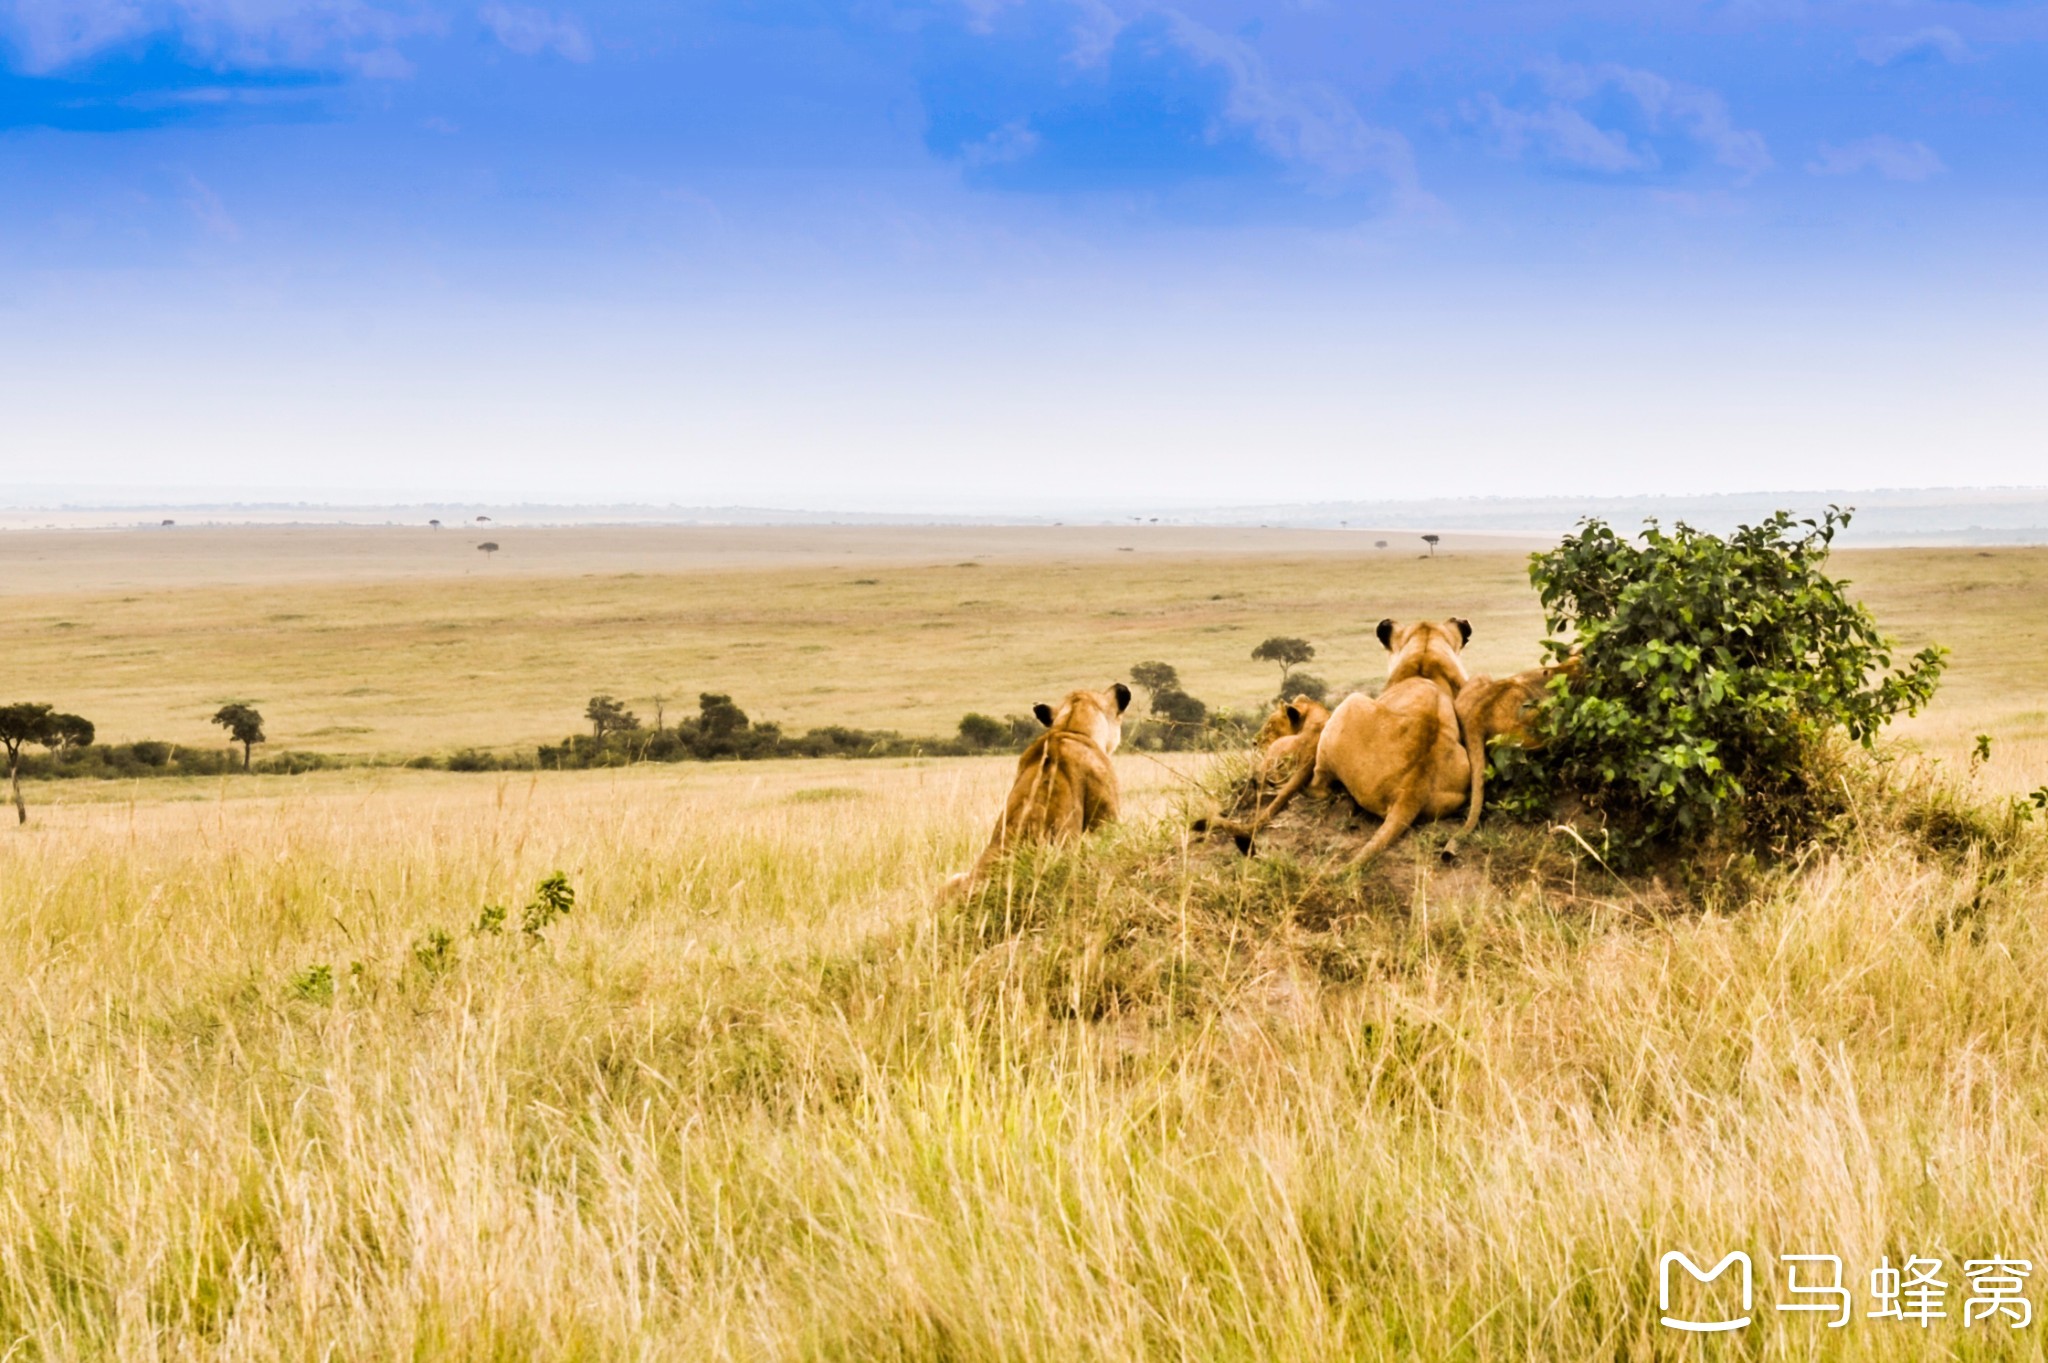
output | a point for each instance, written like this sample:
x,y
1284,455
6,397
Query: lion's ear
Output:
x,y
1386,633
1294,716
1464,631
1123,697
1044,713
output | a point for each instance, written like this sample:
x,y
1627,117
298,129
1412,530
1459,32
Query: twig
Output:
x,y
1573,834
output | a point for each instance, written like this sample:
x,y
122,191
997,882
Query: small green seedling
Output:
x,y
552,898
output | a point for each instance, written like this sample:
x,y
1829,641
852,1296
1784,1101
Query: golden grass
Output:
x,y
759,1097
756,1098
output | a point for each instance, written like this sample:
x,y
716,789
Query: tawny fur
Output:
x,y
1066,785
1489,709
1400,754
1285,737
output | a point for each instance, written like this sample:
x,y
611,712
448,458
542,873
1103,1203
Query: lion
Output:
x,y
1290,731
1066,784
1489,709
1400,754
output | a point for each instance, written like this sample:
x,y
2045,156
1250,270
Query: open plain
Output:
x,y
401,642
276,1083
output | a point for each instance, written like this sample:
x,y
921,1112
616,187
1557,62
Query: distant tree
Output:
x,y
68,731
718,717
660,700
609,716
483,520
1302,684
1288,653
435,524
170,522
1379,544
488,547
20,724
1184,718
1432,541
244,725
1156,677
982,732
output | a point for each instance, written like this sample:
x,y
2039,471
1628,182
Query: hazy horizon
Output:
x,y
2011,515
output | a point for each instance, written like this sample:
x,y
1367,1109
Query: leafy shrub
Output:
x,y
314,984
296,763
147,757
1181,720
552,898
1715,675
982,732
1302,684
722,731
435,952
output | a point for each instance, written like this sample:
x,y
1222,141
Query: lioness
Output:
x,y
1489,709
1288,734
1066,783
1399,754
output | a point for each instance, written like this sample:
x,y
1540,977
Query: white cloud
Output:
x,y
205,205
1094,32
1012,142
530,32
981,14
53,34
356,35
1563,134
1307,125
1702,114
1882,49
1095,25
1892,157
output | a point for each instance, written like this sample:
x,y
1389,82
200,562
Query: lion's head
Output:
x,y
1429,649
1097,714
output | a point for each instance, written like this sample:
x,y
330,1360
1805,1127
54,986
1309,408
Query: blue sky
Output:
x,y
979,253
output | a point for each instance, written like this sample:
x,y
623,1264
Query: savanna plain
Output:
x,y
310,1067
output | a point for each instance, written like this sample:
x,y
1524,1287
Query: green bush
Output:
x,y
983,733
1716,675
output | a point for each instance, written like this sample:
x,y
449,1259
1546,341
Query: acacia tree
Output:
x,y
68,731
1155,677
608,715
244,725
32,722
1288,653
1432,541
488,547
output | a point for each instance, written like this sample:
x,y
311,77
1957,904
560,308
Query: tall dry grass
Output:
x,y
756,1097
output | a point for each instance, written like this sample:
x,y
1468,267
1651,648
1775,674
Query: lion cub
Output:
x,y
1490,709
1066,783
1289,736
